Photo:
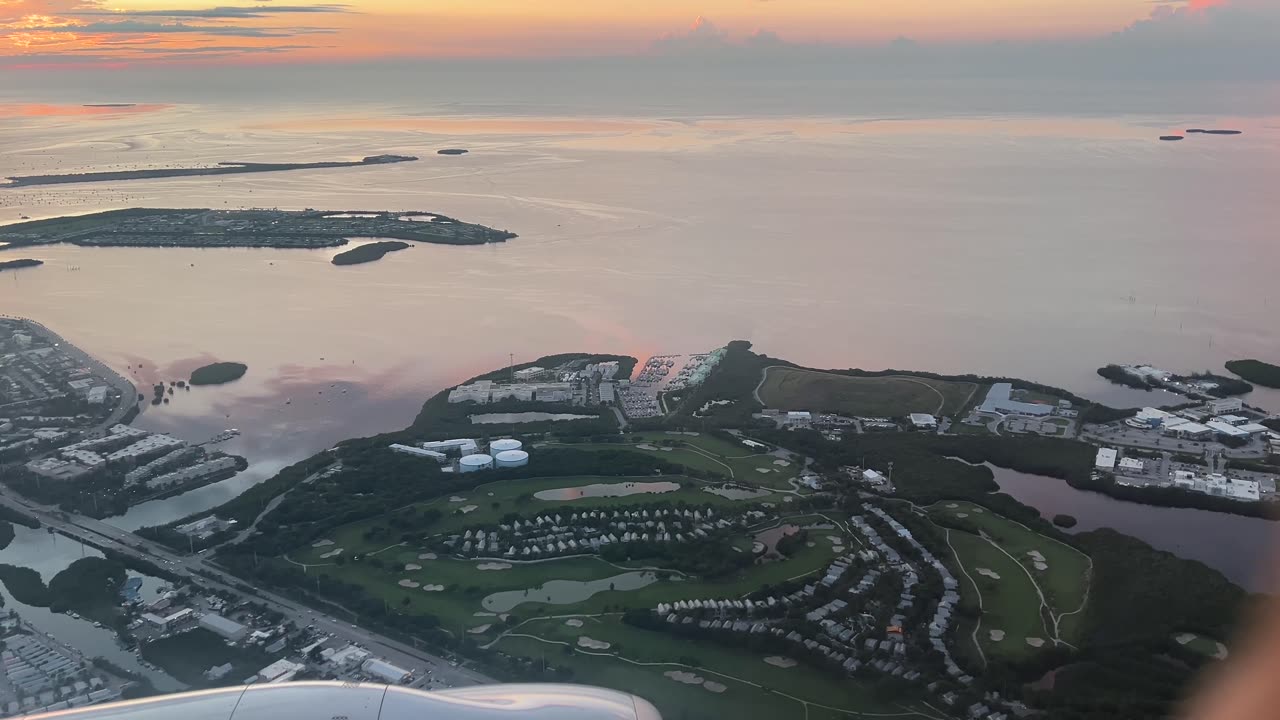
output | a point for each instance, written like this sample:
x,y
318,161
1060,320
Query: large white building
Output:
x,y
146,446
229,629
419,452
465,446
1226,405
280,671
385,671
999,401
923,421
476,392
1106,459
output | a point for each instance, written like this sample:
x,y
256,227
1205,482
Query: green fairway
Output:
x,y
487,504
466,585
753,688
709,454
1063,574
1009,603
885,396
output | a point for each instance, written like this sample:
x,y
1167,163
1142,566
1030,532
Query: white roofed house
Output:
x,y
1105,460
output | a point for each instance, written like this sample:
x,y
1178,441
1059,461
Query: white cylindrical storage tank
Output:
x,y
503,445
472,463
512,459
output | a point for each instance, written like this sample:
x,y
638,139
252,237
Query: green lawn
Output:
x,y
710,454
466,585
891,396
510,496
754,693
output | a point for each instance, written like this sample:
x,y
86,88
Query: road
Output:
x,y
124,542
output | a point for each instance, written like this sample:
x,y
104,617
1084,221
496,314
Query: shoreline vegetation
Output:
x,y
1227,386
368,253
218,373
1256,371
226,168
260,228
19,264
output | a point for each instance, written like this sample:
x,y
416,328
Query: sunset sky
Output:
x,y
40,33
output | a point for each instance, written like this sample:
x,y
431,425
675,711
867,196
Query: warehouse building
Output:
x,y
385,671
229,629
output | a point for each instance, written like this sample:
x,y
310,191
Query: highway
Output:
x,y
99,533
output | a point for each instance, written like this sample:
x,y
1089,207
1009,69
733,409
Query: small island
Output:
x,y
1256,371
452,151
1201,131
225,168
204,228
1195,385
1170,138
218,373
19,264
368,253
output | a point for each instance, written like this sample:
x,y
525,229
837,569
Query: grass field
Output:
x,y
888,396
754,689
704,452
466,585
1013,603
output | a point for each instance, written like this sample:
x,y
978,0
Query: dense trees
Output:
x,y
1256,371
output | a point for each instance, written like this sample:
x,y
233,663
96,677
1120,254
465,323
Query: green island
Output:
x,y
204,228
218,373
1203,384
368,253
225,168
20,263
1256,371
718,563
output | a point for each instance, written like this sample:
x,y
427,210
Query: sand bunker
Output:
x,y
410,567
493,566
321,543
996,635
1035,555
687,678
433,588
427,556
483,613
479,629
467,508
757,547
455,498
573,622
978,510
408,583
989,573
837,548
962,515
779,661
782,463
1035,642
586,642
332,553
1041,566
646,446
1184,638
714,687
763,471
953,506
835,539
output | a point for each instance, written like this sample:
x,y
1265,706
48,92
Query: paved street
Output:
x,y
100,533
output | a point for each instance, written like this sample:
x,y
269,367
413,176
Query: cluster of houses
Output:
x,y
40,677
841,628
947,604
552,535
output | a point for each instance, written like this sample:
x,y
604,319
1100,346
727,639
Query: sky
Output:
x,y
41,34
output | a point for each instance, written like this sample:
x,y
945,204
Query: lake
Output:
x,y
566,592
1242,548
639,236
608,490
